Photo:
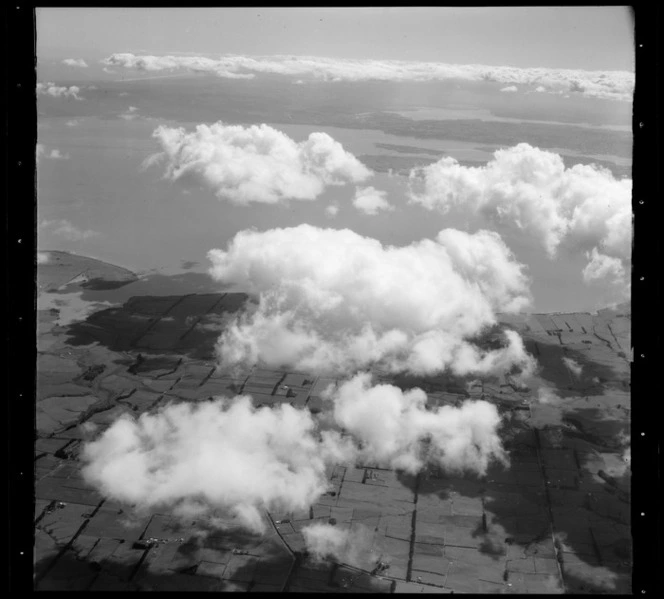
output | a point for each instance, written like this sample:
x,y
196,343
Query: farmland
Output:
x,y
557,520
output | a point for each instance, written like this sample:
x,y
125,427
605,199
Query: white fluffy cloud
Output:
x,y
574,367
130,114
57,155
227,458
583,207
66,229
75,62
616,85
332,210
546,410
55,91
257,163
223,455
347,546
334,301
600,266
54,154
392,426
510,88
370,200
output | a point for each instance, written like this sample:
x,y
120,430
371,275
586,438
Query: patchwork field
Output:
x,y
557,520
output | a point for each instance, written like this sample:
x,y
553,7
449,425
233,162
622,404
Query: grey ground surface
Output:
x,y
557,520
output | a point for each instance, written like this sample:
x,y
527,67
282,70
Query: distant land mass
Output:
x,y
369,105
59,268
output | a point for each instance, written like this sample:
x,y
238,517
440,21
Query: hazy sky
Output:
x,y
95,198
593,38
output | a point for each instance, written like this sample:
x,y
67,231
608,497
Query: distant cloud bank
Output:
x,y
55,91
66,229
613,85
199,64
75,62
54,154
256,163
584,208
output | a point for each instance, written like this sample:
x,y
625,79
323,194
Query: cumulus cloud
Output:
x,y
334,301
256,163
370,200
601,266
75,62
226,458
574,367
72,123
55,91
397,431
547,396
583,207
55,154
332,210
615,85
348,546
130,114
610,274
547,409
226,455
510,88
66,229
